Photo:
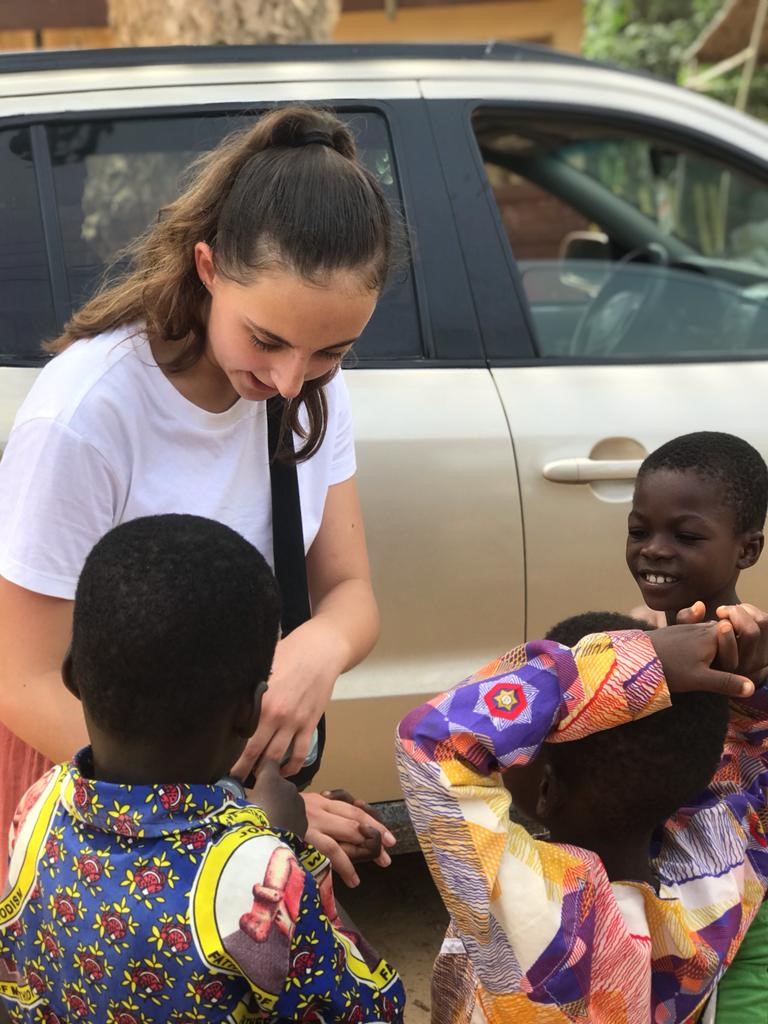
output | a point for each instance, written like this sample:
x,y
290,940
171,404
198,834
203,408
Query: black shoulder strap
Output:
x,y
288,548
287,530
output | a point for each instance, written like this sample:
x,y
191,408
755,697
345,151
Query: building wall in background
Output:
x,y
556,23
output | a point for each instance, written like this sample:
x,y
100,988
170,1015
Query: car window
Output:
x,y
26,300
629,246
111,177
717,210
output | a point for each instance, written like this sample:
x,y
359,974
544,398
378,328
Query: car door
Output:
x,y
438,483
435,462
628,261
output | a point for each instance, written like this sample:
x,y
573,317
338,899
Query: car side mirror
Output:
x,y
585,245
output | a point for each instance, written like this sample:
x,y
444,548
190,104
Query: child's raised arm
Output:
x,y
522,908
506,892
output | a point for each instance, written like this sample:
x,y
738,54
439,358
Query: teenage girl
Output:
x,y
255,282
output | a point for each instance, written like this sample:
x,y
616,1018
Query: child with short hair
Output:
x,y
696,522
631,910
144,887
576,627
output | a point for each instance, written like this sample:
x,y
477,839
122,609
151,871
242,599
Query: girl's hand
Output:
x,y
346,830
304,672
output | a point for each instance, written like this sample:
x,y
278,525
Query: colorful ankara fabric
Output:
x,y
538,933
144,904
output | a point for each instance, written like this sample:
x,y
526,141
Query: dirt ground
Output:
x,y
400,913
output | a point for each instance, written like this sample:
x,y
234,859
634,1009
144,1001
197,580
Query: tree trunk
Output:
x,y
179,22
122,193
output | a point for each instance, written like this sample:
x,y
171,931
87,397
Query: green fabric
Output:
x,y
742,995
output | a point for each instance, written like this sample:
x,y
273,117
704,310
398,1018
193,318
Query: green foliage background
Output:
x,y
653,35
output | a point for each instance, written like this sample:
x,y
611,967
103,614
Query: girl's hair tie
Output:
x,y
318,137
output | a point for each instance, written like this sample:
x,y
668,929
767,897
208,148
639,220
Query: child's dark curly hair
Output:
x,y
738,467
175,616
633,777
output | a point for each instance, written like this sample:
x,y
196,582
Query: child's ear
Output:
x,y
66,674
249,712
551,794
751,549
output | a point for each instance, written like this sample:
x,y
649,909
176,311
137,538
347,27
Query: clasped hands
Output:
x,y
344,829
729,656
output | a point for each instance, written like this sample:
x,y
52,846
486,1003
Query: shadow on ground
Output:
x,y
400,913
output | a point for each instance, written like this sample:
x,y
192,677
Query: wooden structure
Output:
x,y
728,33
737,37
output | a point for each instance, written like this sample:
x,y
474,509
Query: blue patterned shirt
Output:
x,y
174,903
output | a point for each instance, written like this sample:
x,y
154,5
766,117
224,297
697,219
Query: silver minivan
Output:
x,y
589,277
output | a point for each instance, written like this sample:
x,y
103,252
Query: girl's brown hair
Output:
x,y
288,193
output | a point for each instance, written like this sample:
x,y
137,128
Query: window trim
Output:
x,y
500,305
52,237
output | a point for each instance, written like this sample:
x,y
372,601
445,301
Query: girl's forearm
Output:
x,y
349,616
43,713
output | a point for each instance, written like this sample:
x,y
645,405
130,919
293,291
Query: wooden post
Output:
x,y
755,39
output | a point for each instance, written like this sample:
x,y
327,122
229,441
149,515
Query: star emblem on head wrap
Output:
x,y
506,699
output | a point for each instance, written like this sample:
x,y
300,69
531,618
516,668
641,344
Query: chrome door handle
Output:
x,y
584,471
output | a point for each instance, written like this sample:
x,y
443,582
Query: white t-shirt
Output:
x,y
104,437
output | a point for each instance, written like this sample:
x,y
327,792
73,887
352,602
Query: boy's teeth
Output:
x,y
653,577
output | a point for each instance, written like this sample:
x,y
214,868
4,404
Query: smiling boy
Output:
x,y
697,520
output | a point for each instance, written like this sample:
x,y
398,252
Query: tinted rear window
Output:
x,y
110,178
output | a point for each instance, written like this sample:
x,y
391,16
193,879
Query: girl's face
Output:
x,y
270,336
